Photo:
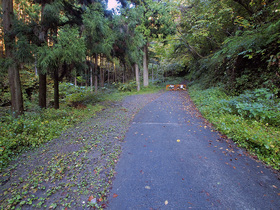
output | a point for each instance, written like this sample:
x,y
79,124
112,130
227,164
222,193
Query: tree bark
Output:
x,y
13,69
101,78
42,76
56,88
152,73
95,74
115,73
145,67
91,78
123,74
137,76
42,90
108,78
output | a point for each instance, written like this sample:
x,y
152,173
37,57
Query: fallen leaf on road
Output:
x,y
147,187
90,198
115,195
274,186
178,140
166,202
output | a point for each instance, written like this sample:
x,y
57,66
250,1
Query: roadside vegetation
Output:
x,y
251,119
38,126
63,62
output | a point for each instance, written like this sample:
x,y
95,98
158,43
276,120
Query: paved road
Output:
x,y
173,160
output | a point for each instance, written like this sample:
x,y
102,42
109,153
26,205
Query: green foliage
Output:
x,y
259,104
70,47
78,96
83,98
125,87
252,119
231,43
156,19
34,128
98,35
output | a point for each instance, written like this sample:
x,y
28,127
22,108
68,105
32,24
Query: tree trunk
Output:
x,y
91,78
35,66
13,69
101,71
123,74
145,67
56,88
152,73
42,90
42,77
95,74
108,78
115,73
137,76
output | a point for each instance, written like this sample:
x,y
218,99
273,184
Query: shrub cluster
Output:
x,y
259,104
251,119
125,87
76,96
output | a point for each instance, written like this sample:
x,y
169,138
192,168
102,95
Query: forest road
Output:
x,y
172,159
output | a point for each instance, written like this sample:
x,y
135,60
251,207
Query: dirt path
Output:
x,y
76,170
172,159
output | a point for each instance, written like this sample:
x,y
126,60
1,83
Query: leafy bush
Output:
x,y
125,87
259,104
85,97
251,119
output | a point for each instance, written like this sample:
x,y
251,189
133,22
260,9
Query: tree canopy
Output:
x,y
233,42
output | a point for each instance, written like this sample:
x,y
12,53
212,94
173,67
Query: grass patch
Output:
x,y
76,166
251,119
38,126
35,128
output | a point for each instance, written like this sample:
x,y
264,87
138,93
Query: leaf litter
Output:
x,y
76,170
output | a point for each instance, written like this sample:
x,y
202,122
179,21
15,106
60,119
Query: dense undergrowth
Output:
x,y
37,126
251,119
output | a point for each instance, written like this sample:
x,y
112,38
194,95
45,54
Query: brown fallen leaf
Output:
x,y
115,195
90,198
274,186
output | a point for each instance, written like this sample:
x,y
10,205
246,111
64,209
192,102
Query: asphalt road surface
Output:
x,y
172,159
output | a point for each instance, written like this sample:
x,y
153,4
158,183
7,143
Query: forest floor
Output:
x,y
167,156
74,171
